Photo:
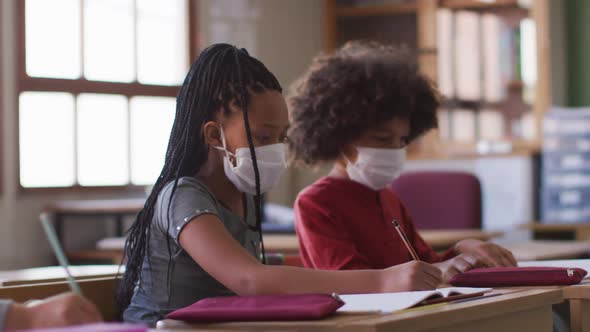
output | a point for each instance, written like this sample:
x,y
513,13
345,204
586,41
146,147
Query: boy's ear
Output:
x,y
212,133
350,152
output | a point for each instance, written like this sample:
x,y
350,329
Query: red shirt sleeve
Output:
x,y
324,242
423,249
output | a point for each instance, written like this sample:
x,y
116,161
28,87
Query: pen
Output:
x,y
406,241
61,257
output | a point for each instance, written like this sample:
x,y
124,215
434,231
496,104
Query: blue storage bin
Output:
x,y
564,161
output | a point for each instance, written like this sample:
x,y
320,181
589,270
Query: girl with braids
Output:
x,y
199,234
358,109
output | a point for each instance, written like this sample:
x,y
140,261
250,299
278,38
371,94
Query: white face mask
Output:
x,y
376,168
272,162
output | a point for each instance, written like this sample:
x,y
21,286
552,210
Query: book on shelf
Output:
x,y
444,124
497,58
528,59
464,125
467,59
444,41
491,125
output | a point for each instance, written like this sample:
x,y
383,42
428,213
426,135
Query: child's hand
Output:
x,y
460,264
57,311
411,276
493,254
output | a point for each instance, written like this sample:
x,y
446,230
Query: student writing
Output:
x,y
358,109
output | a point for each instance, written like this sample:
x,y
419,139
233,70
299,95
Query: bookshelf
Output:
x,y
414,23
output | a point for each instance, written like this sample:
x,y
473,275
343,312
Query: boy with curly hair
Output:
x,y
358,109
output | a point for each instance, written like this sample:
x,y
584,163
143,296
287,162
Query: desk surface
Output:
x,y
446,238
288,243
446,316
56,274
436,238
100,206
523,251
556,227
580,231
486,309
546,250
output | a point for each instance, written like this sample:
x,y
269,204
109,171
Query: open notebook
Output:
x,y
568,263
389,302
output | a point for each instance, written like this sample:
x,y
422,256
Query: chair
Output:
x,y
441,200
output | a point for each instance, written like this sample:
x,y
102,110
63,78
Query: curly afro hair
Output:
x,y
344,94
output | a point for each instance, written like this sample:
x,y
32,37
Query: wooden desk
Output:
x,y
116,208
578,232
527,310
47,274
438,239
546,250
328,324
281,243
289,245
578,297
444,239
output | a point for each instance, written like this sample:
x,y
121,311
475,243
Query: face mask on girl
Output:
x,y
272,162
376,168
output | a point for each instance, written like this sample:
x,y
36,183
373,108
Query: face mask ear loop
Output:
x,y
348,160
224,143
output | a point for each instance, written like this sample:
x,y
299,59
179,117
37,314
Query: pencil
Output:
x,y
59,253
406,241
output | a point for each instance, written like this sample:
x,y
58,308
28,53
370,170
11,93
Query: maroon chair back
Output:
x,y
441,199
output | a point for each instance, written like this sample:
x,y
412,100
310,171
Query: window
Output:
x,y
97,87
1,103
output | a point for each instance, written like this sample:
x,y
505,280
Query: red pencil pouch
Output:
x,y
259,308
519,276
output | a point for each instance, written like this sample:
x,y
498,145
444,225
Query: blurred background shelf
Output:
x,y
514,117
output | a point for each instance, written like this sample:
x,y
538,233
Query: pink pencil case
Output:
x,y
259,308
519,276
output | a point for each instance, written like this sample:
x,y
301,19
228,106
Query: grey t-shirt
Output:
x,y
157,295
4,307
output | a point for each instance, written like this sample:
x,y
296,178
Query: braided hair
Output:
x,y
221,74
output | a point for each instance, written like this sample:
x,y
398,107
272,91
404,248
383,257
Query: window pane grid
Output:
x,y
158,87
144,42
137,140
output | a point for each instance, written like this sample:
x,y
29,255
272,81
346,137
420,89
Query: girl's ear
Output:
x,y
212,134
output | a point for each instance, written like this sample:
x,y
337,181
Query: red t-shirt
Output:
x,y
344,225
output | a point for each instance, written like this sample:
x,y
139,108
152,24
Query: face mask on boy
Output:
x,y
272,162
376,168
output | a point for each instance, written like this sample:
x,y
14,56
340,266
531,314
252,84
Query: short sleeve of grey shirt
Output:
x,y
170,282
4,307
191,199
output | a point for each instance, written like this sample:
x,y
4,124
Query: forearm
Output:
x,y
285,279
